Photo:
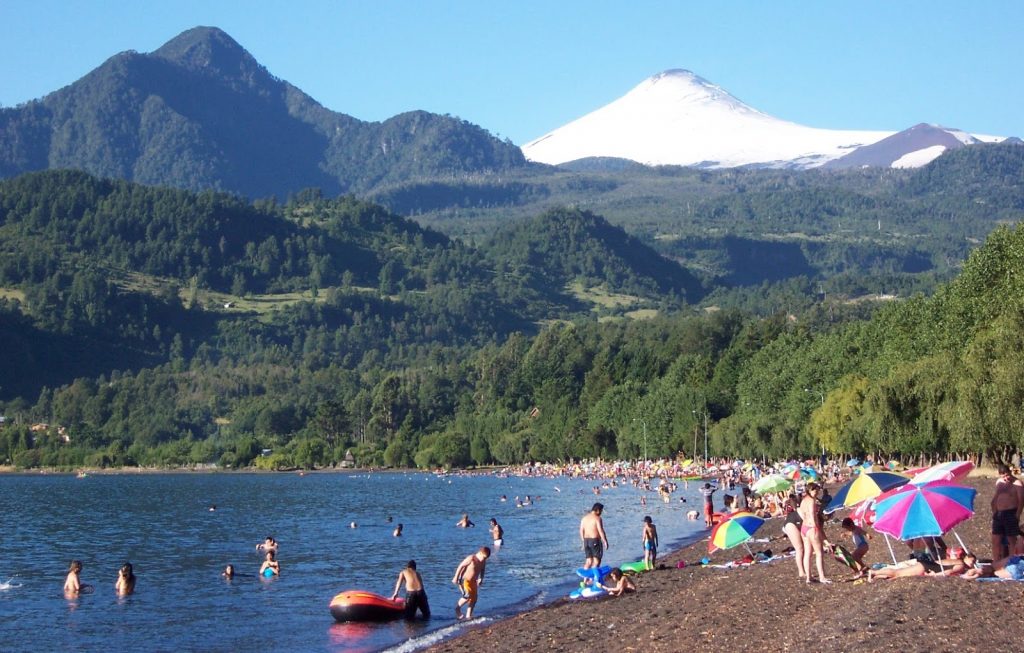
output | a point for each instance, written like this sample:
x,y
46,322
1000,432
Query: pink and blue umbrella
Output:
x,y
924,510
943,472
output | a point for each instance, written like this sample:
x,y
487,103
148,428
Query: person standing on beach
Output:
x,y
709,507
1007,503
791,528
812,531
650,541
415,595
468,577
595,541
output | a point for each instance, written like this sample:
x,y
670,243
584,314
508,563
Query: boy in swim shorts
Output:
x,y
468,577
650,540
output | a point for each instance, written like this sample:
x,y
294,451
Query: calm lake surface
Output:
x,y
162,524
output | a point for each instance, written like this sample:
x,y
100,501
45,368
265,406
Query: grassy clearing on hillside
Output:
x,y
12,293
600,297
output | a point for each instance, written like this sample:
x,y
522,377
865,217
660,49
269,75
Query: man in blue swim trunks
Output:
x,y
595,542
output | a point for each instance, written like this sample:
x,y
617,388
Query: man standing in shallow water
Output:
x,y
468,577
595,542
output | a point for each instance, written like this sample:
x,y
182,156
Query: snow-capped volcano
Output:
x,y
679,118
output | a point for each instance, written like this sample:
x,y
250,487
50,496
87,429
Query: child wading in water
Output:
x,y
650,543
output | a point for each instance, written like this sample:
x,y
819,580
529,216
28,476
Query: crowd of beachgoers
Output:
x,y
798,494
805,511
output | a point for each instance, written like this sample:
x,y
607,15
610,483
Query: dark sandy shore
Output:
x,y
765,607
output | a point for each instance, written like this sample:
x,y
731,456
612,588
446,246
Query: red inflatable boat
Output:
x,y
357,605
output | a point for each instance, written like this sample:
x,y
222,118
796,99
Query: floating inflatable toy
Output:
x,y
591,577
635,567
357,605
840,553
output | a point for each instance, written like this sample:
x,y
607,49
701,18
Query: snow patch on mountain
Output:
x,y
679,118
919,158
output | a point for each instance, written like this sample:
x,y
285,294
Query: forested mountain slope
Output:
x,y
201,113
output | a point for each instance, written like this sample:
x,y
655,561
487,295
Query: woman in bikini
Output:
x,y
791,528
812,533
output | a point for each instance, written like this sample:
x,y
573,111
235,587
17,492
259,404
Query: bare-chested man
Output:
x,y
595,542
468,577
415,595
1007,503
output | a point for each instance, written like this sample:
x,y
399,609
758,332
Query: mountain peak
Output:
x,y
208,48
680,86
677,117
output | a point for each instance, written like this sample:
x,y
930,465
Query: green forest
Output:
x,y
157,327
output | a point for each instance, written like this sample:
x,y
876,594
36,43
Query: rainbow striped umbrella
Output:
x,y
943,472
924,510
735,530
864,486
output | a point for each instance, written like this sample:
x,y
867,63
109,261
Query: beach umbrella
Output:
x,y
943,472
862,487
773,483
735,530
864,514
924,510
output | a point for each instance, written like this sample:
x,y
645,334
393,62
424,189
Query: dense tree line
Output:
x,y
926,376
413,349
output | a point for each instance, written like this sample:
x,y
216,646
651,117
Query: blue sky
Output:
x,y
522,68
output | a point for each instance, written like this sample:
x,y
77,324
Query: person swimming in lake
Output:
x,y
72,584
497,533
269,544
465,522
229,572
125,584
271,565
415,595
397,532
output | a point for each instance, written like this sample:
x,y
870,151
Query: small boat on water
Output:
x,y
357,605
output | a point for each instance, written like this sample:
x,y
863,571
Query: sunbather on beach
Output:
x,y
923,566
1011,567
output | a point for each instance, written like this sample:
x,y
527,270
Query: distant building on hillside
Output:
x,y
349,460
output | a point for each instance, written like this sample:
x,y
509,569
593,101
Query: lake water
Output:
x,y
162,524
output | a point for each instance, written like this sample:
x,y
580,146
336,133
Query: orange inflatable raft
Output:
x,y
357,605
